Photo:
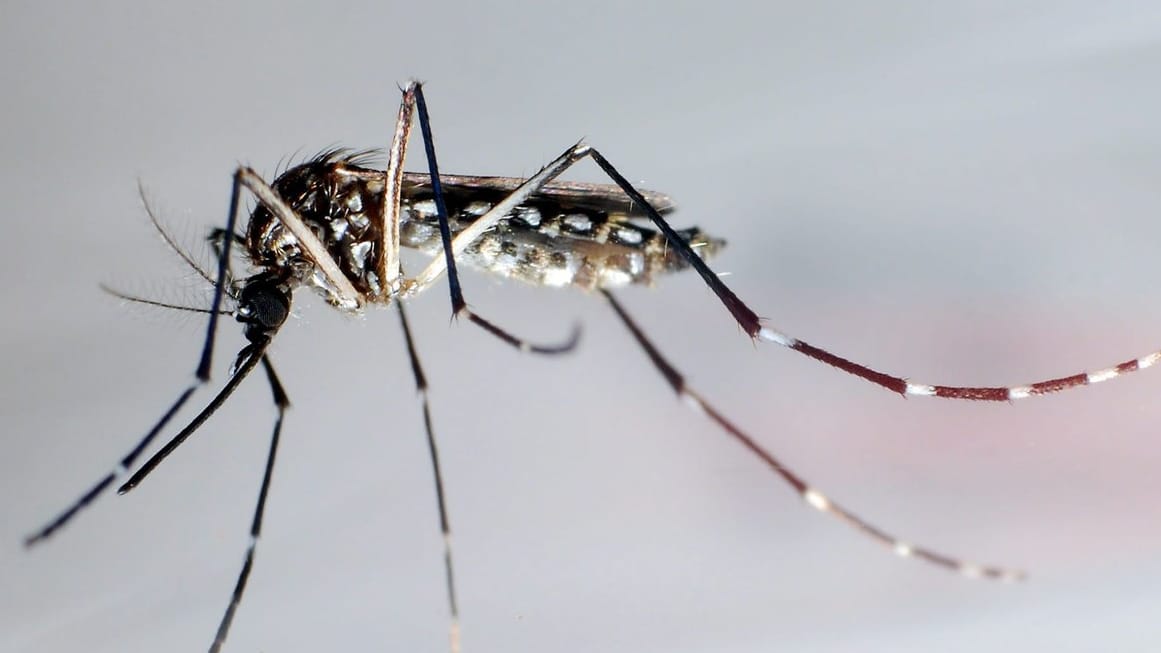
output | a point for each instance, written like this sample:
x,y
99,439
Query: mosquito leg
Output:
x,y
122,468
459,305
247,359
810,495
201,375
501,210
203,372
389,269
752,324
345,295
441,500
263,304
281,402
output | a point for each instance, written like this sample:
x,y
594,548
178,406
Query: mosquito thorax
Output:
x,y
555,234
340,208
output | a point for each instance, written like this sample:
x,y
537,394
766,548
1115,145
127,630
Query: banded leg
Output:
x,y
117,472
748,319
281,402
810,495
413,95
201,374
441,500
750,322
263,306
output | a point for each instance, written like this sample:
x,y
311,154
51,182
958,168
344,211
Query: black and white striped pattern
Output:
x,y
905,387
811,495
342,265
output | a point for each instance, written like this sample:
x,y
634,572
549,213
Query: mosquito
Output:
x,y
335,226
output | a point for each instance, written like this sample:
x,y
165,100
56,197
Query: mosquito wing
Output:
x,y
567,234
599,198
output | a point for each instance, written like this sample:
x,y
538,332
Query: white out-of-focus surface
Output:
x,y
959,192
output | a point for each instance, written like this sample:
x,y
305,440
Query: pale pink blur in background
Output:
x,y
960,192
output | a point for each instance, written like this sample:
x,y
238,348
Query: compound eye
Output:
x,y
263,305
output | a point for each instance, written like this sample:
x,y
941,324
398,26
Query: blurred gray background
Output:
x,y
962,192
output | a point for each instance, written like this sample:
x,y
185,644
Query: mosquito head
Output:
x,y
263,305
